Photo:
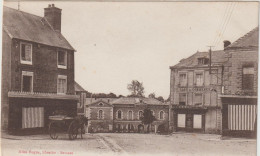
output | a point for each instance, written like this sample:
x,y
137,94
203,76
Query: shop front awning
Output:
x,y
38,95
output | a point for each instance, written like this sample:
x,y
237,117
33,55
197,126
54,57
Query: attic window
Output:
x,y
101,104
203,61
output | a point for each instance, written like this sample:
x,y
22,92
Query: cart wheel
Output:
x,y
53,131
73,130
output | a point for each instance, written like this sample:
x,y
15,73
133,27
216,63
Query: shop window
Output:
x,y
181,120
62,59
198,99
197,121
26,53
248,78
27,81
199,79
183,79
32,117
182,99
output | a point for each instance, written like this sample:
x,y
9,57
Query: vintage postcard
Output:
x,y
129,78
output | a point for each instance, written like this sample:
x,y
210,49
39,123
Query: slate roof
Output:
x,y
217,57
78,88
248,40
29,27
93,100
133,100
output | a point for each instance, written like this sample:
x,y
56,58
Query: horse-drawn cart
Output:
x,y
64,124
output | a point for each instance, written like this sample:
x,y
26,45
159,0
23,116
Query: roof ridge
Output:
x,y
23,12
242,37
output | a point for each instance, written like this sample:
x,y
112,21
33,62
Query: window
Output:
x,y
248,78
26,53
100,114
198,99
199,79
27,81
161,115
62,59
203,61
152,112
183,79
62,84
181,120
182,99
130,115
119,114
140,114
197,121
32,117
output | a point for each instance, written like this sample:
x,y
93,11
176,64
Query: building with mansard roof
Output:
x,y
217,95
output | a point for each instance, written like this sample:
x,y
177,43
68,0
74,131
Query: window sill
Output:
x,y
62,67
61,93
26,62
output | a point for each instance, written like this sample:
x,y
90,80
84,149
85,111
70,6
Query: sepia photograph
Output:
x,y
97,77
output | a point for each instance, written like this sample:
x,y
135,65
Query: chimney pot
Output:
x,y
226,44
53,5
49,5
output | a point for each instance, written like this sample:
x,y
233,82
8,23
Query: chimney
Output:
x,y
226,44
53,16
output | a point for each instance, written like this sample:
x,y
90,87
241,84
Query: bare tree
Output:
x,y
136,88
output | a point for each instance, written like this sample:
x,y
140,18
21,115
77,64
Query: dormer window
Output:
x,y
62,59
203,61
26,53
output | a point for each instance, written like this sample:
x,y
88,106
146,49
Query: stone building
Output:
x,y
128,110
239,96
37,70
123,114
194,89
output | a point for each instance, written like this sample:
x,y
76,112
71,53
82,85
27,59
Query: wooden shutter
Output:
x,y
32,117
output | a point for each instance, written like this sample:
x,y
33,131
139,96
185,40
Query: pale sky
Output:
x,y
117,42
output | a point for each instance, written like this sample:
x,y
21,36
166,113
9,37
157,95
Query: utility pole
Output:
x,y
18,4
210,59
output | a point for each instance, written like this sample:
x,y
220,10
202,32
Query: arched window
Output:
x,y
130,115
119,114
100,114
152,112
141,113
161,115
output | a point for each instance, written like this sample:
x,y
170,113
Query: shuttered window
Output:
x,y
32,117
248,78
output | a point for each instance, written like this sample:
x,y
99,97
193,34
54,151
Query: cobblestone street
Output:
x,y
125,144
